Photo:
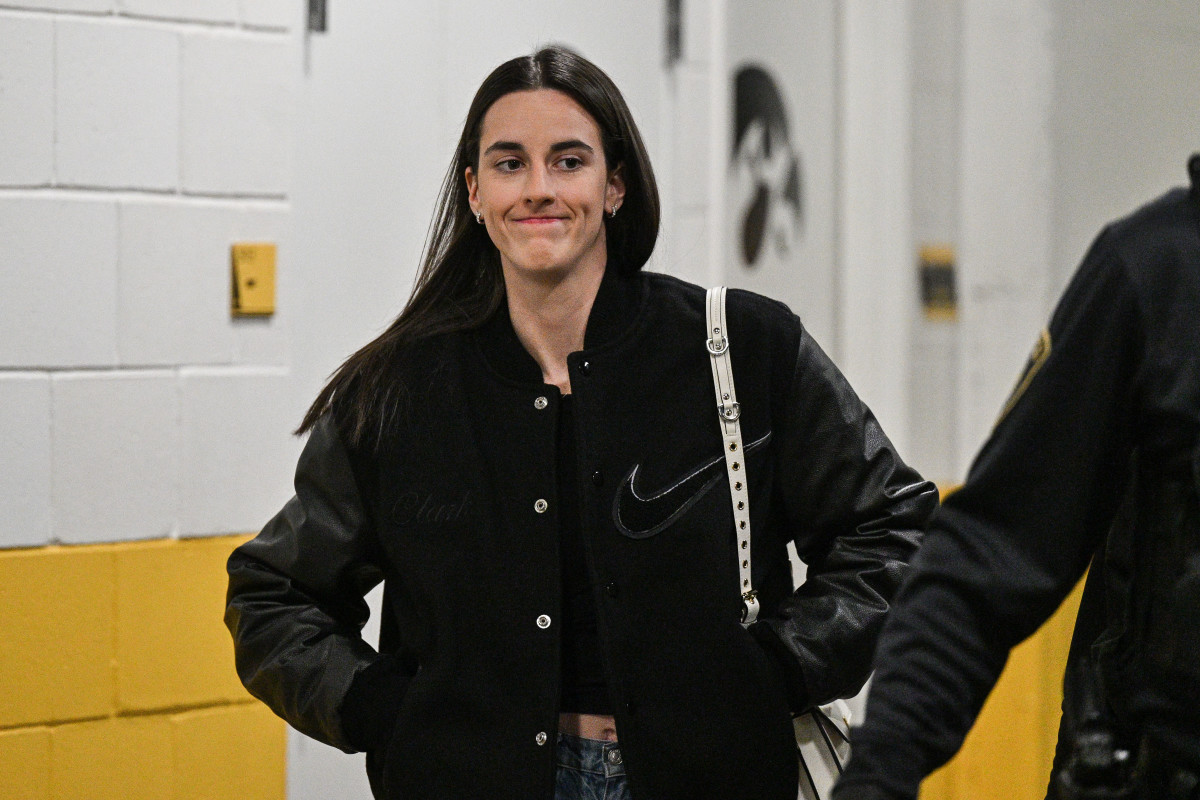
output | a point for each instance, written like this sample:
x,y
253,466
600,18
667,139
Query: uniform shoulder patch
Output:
x,y
1041,351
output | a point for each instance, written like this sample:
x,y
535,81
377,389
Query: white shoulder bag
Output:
x,y
822,733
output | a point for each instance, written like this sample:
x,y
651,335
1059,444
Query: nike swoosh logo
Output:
x,y
640,517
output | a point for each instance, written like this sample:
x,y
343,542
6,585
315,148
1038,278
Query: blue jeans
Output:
x,y
589,770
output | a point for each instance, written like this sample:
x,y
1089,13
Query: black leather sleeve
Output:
x,y
857,514
295,603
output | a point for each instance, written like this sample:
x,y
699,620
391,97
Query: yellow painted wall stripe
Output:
x,y
117,678
117,681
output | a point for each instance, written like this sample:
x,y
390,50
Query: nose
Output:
x,y
539,186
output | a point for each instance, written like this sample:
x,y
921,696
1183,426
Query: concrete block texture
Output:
x,y
238,452
56,611
25,764
86,628
175,284
172,647
58,292
317,771
25,515
26,101
116,456
83,6
113,759
117,105
237,108
267,340
213,11
272,14
230,753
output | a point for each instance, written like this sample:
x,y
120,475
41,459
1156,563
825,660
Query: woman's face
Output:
x,y
542,185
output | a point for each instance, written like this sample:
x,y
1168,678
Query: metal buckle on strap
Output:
x,y
730,411
749,600
717,348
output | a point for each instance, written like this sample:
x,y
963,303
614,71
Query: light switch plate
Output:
x,y
253,279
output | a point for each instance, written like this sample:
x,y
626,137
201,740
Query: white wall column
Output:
x,y
1006,201
876,294
718,136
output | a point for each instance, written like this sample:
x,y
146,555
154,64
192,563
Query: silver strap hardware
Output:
x,y
729,413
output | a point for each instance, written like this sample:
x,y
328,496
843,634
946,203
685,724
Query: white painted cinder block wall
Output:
x,y
140,140
141,137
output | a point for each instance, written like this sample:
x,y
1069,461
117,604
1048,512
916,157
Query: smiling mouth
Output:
x,y
539,220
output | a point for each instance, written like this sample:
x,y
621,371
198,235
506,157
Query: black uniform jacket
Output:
x,y
1097,448
457,514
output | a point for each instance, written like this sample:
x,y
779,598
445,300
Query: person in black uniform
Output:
x,y
1094,460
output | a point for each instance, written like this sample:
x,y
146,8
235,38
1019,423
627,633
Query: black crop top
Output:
x,y
584,687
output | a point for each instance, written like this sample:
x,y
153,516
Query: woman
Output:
x,y
518,459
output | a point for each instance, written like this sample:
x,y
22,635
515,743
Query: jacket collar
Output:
x,y
616,306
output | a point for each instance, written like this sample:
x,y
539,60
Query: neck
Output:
x,y
549,314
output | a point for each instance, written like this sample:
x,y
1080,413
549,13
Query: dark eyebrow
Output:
x,y
557,147
571,144
514,146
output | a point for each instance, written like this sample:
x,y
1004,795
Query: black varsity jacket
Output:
x,y
457,514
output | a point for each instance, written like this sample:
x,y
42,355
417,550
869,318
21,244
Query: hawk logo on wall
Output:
x,y
766,170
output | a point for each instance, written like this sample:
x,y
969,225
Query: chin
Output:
x,y
541,262
546,262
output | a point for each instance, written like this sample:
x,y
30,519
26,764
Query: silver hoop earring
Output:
x,y
479,217
613,215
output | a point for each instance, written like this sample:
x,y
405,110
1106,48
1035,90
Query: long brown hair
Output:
x,y
460,283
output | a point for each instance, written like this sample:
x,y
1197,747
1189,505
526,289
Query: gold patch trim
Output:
x,y
1041,352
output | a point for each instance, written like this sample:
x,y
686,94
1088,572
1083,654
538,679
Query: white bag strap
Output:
x,y
731,432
